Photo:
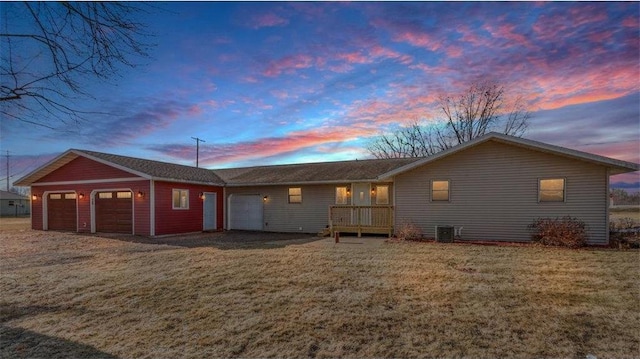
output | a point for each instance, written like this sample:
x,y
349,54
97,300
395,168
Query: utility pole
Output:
x,y
197,149
8,171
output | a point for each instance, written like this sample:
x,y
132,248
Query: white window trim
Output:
x,y
346,195
173,205
448,191
289,195
378,198
564,189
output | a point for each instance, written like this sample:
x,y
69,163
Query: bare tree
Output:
x,y
482,108
413,140
52,50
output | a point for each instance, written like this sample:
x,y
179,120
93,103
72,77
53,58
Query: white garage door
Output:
x,y
245,212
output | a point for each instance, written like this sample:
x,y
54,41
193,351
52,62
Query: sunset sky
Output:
x,y
287,82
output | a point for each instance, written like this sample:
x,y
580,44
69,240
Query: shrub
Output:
x,y
409,231
624,233
565,232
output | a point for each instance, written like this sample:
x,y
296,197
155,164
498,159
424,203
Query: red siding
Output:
x,y
84,169
172,221
140,205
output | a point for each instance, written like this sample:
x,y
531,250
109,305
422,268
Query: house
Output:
x,y
13,204
302,197
493,187
86,191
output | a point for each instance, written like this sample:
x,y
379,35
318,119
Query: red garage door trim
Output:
x,y
60,211
125,208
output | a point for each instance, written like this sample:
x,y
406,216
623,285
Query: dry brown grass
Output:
x,y
67,295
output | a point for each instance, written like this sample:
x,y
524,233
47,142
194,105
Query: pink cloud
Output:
x,y
215,155
268,20
288,64
631,22
354,58
418,39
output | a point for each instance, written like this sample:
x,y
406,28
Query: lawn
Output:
x,y
69,295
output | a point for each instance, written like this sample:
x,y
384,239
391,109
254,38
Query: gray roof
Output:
x,y
615,166
323,172
12,196
150,169
306,173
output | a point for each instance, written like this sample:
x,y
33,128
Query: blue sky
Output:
x,y
286,82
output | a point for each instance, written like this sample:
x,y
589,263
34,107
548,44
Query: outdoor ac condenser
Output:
x,y
444,234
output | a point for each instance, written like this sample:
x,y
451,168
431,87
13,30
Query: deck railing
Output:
x,y
361,219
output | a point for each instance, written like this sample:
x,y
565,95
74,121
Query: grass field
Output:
x,y
69,295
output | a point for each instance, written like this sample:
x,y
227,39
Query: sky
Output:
x,y
292,82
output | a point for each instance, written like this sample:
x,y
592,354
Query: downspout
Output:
x,y
152,208
607,203
224,208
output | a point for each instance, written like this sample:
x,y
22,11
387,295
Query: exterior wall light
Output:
x,y
201,195
140,194
34,197
265,198
81,195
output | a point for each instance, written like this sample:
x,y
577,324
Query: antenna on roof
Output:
x,y
197,149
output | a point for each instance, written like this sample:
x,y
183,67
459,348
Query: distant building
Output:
x,y
14,205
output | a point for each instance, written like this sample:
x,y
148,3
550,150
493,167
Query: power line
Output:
x,y
8,176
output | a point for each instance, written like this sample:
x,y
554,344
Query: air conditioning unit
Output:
x,y
444,234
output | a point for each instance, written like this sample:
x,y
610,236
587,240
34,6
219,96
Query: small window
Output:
x,y
551,190
55,196
180,199
295,195
105,195
123,194
440,190
341,195
11,203
70,196
382,195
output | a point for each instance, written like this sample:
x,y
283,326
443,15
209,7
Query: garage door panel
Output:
x,y
61,212
113,214
246,212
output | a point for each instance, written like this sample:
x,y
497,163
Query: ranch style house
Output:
x,y
490,188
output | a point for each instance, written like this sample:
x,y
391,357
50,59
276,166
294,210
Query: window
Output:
x,y
382,195
70,196
11,203
105,195
551,190
295,195
180,199
55,196
440,190
342,195
123,194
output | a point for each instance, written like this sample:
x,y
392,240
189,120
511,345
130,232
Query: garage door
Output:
x,y
61,212
246,212
114,212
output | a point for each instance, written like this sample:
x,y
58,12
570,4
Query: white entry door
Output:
x,y
209,220
362,197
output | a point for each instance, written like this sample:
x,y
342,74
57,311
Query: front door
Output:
x,y
362,197
209,220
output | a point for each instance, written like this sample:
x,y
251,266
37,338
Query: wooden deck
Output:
x,y
361,219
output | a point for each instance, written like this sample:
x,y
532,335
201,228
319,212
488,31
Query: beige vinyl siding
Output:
x,y
312,215
309,216
494,193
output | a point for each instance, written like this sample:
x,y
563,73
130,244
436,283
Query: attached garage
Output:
x,y
114,211
245,212
62,212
